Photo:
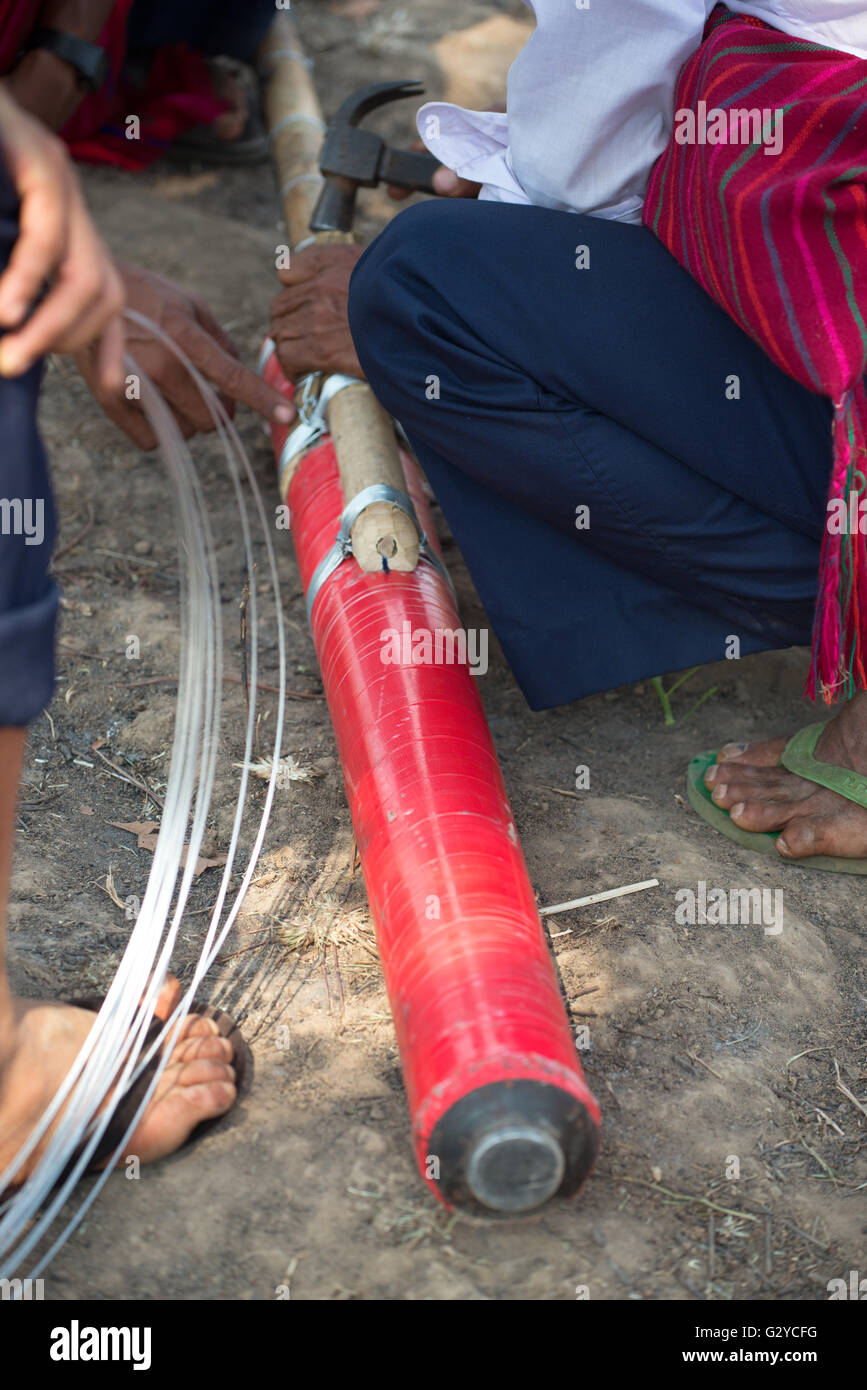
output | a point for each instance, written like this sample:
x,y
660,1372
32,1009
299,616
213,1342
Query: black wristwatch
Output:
x,y
88,59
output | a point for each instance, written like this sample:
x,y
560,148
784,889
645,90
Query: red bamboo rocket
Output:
x,y
502,1118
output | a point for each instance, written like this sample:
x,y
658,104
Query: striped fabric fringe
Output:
x,y
779,240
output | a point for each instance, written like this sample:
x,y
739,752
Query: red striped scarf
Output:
x,y
780,242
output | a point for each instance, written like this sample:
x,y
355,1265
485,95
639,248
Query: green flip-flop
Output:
x,y
799,757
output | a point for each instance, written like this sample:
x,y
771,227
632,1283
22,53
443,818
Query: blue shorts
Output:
x,y
28,596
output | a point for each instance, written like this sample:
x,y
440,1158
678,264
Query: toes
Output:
x,y
209,1099
730,771
730,751
758,815
843,835
722,774
208,1046
729,793
168,997
198,1026
733,782
765,754
202,1070
208,1091
798,840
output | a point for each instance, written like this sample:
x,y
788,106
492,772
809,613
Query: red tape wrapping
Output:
x,y
472,988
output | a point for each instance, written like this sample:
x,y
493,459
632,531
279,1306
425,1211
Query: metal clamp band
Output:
x,y
313,426
292,53
342,547
266,352
299,178
297,118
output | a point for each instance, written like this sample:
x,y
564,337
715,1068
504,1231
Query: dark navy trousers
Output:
x,y
28,596
211,26
531,388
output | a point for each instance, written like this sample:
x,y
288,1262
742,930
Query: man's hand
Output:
x,y
56,242
309,318
188,322
445,181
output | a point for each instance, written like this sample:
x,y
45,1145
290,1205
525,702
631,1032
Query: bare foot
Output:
x,y
758,794
197,1084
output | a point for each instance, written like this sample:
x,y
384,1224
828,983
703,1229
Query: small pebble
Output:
x,y
142,547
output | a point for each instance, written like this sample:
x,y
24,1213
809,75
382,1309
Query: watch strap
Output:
x,y
88,59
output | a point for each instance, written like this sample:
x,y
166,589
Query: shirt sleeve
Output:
x,y
590,107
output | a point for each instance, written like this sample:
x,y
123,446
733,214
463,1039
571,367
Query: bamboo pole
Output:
x,y
364,439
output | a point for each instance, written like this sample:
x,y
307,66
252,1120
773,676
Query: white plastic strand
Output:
x,y
113,1054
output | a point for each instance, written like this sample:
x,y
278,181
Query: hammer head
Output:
x,y
352,158
355,154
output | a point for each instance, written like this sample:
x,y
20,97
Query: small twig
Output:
x,y
219,960
805,1236
699,702
664,695
130,559
127,777
711,1247
822,1164
340,985
805,1053
826,1118
694,1058
65,549
841,1086
109,888
36,805
687,1197
544,787
599,897
79,651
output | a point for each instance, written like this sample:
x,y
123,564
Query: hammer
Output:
x,y
352,158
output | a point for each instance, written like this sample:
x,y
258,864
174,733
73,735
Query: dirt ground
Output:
x,y
708,1044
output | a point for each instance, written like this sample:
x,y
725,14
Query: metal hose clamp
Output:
x,y
312,423
342,547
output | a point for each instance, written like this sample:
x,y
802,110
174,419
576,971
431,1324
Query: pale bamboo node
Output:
x,y
600,897
289,96
363,434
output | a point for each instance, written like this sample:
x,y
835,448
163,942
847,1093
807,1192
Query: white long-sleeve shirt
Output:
x,y
590,98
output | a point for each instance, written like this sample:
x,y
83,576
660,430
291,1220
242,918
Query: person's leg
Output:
x,y
530,386
225,27
39,1039
11,756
